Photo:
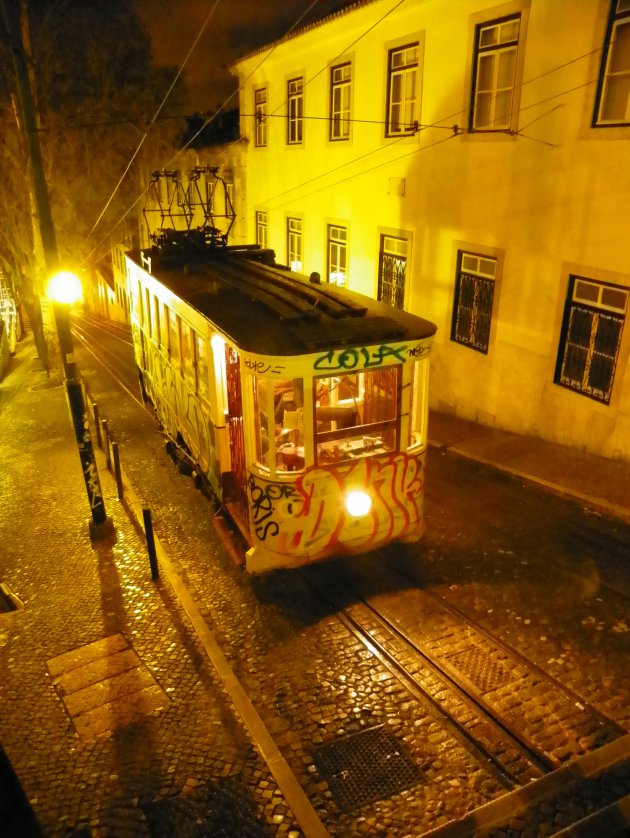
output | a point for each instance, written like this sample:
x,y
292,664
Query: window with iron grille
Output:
x,y
612,98
494,74
591,336
392,270
474,297
261,228
337,254
295,104
402,86
340,84
294,243
260,115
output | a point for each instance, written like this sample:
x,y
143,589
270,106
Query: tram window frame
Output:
x,y
203,368
365,436
149,324
283,450
174,332
419,402
164,327
156,331
188,361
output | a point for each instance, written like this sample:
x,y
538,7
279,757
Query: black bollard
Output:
x,y
108,453
148,531
117,471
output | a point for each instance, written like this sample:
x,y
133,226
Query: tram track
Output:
x,y
105,357
515,718
429,658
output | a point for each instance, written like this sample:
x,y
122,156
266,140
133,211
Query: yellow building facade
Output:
x,y
469,162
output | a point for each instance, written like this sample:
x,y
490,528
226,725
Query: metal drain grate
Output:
x,y
364,767
479,667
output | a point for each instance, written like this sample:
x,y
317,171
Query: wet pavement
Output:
x,y
185,706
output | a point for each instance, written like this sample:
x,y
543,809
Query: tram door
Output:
x,y
238,488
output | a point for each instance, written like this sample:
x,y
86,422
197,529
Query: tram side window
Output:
x,y
356,415
188,356
419,402
173,337
203,387
156,319
147,308
279,422
164,325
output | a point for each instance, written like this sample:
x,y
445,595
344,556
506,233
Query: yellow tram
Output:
x,y
303,405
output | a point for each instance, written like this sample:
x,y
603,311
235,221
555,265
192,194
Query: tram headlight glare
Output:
x,y
358,503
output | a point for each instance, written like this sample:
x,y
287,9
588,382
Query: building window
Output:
x,y
494,76
612,101
337,254
392,269
295,104
262,239
260,114
340,89
591,336
294,243
474,297
402,86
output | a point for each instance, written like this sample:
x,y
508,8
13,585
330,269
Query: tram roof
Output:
x,y
270,310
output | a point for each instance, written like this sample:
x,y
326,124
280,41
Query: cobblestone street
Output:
x,y
117,719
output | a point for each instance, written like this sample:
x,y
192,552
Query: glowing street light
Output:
x,y
64,289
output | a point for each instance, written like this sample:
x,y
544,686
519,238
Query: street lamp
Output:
x,y
64,289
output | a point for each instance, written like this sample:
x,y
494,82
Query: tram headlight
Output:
x,y
358,503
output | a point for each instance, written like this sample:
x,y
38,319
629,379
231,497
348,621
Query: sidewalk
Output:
x,y
111,713
596,482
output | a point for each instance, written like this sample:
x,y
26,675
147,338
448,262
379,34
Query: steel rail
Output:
x,y
536,763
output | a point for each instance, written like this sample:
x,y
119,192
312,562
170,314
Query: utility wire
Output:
x,y
161,105
437,124
206,123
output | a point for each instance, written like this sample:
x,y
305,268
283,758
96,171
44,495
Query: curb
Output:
x,y
600,505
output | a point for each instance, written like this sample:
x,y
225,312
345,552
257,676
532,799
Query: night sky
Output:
x,y
235,28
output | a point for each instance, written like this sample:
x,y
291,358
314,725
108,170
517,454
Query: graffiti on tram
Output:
x,y
309,516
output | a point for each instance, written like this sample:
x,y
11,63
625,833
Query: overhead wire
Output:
x,y
206,123
437,124
161,105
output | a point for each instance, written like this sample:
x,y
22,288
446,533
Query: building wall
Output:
x,y
547,198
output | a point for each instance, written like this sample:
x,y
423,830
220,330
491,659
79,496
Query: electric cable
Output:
x,y
436,124
172,160
161,105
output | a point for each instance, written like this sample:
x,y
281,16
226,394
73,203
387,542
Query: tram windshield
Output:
x,y
356,414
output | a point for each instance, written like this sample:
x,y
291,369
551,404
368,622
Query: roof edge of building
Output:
x,y
302,29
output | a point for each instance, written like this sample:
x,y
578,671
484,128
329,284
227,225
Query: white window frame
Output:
x,y
260,117
495,44
403,87
294,243
337,249
589,298
295,111
340,101
613,78
262,229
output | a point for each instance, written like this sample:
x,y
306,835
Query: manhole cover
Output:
x,y
479,667
366,766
